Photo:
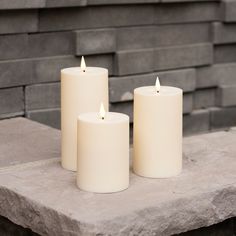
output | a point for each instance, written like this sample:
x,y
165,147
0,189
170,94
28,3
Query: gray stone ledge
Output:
x,y
44,197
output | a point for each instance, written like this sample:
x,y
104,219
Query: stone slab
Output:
x,y
44,197
22,141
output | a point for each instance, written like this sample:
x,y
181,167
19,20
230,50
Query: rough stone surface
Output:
x,y
224,33
226,96
187,12
15,73
41,96
23,141
225,53
121,88
183,56
134,62
50,203
229,8
218,74
18,21
21,4
104,16
95,41
65,3
51,44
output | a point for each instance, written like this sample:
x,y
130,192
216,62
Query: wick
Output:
x,y
158,91
102,118
83,70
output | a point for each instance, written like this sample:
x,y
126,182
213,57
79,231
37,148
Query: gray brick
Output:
x,y
95,41
95,17
187,103
223,33
134,62
162,35
42,96
135,37
196,122
50,117
223,117
11,101
121,88
116,2
51,44
226,96
183,56
65,3
204,98
180,1
49,69
225,53
13,46
207,77
21,4
123,107
20,21
180,34
229,10
15,73
187,12
218,74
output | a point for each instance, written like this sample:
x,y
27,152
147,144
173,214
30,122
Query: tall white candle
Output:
x,y
82,90
157,131
103,152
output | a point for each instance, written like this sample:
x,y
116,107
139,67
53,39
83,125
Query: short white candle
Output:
x,y
82,90
103,152
157,131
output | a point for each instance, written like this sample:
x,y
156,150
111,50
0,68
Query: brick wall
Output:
x,y
189,44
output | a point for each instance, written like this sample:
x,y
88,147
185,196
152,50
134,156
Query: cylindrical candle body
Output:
x,y
80,92
103,152
157,131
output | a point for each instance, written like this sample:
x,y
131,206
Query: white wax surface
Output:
x,y
103,152
80,92
157,131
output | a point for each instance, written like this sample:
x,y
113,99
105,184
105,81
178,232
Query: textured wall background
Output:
x,y
189,44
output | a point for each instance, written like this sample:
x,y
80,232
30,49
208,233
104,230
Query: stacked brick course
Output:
x,y
187,43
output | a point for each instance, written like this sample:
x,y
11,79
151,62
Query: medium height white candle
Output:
x,y
157,131
103,152
82,90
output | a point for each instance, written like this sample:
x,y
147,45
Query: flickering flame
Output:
x,y
102,112
82,64
158,86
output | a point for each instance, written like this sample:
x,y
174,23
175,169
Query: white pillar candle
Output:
x,y
157,131
82,90
103,152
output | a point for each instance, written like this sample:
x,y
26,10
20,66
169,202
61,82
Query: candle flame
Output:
x,y
158,86
82,64
102,112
